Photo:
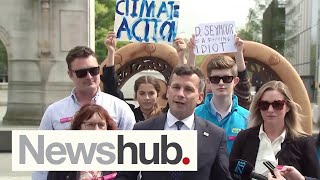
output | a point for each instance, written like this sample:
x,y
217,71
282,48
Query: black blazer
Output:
x,y
212,153
300,153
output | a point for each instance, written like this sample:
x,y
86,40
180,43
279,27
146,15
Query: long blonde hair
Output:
x,y
292,119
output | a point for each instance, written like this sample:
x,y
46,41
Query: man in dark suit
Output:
x,y
185,91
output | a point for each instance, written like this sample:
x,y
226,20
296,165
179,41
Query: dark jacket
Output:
x,y
68,175
212,153
300,152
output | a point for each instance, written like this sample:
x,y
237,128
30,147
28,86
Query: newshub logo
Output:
x,y
70,150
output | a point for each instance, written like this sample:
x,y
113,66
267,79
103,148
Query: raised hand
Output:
x,y
239,54
180,47
110,42
238,43
191,45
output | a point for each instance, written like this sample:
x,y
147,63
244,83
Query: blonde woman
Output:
x,y
275,133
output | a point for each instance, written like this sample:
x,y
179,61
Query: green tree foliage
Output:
x,y
104,21
253,27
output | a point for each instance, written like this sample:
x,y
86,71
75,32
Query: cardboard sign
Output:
x,y
146,20
215,38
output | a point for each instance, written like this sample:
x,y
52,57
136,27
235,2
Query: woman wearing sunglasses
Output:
x,y
275,134
89,117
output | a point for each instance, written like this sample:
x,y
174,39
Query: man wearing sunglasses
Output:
x,y
221,106
83,70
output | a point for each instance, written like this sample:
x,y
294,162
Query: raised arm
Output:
x,y
180,46
109,76
242,89
239,54
191,56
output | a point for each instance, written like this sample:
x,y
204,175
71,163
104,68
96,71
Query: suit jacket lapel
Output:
x,y
201,128
254,141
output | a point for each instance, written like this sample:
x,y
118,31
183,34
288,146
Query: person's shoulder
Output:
x,y
106,95
205,106
152,123
242,109
208,124
239,109
201,110
249,132
60,104
304,140
111,98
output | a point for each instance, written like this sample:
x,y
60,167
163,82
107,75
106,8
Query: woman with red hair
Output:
x,y
89,117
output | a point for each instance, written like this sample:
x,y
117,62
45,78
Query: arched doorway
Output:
x,y
263,63
3,63
3,80
137,57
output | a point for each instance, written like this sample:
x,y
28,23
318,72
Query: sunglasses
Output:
x,y
216,79
81,73
276,105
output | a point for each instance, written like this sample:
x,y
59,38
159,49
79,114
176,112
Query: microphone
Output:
x,y
243,170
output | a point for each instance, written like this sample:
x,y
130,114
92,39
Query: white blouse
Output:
x,y
267,151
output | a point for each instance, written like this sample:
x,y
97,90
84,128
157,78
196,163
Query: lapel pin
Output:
x,y
205,134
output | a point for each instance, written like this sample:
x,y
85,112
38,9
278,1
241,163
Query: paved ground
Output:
x,y
5,169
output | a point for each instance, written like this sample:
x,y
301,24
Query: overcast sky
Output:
x,y
193,12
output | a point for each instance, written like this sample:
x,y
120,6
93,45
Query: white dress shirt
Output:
x,y
267,151
171,120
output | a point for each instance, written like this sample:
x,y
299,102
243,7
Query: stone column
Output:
x,y
41,35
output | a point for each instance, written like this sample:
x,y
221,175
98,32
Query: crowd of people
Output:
x,y
271,130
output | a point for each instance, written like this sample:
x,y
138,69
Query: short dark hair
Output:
x,y
185,69
87,111
79,52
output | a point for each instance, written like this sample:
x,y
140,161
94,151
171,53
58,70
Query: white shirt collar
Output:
x,y
280,138
188,121
94,99
267,151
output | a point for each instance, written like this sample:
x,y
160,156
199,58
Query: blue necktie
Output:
x,y
177,175
179,124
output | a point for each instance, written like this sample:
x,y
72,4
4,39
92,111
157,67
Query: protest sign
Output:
x,y
215,38
146,20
